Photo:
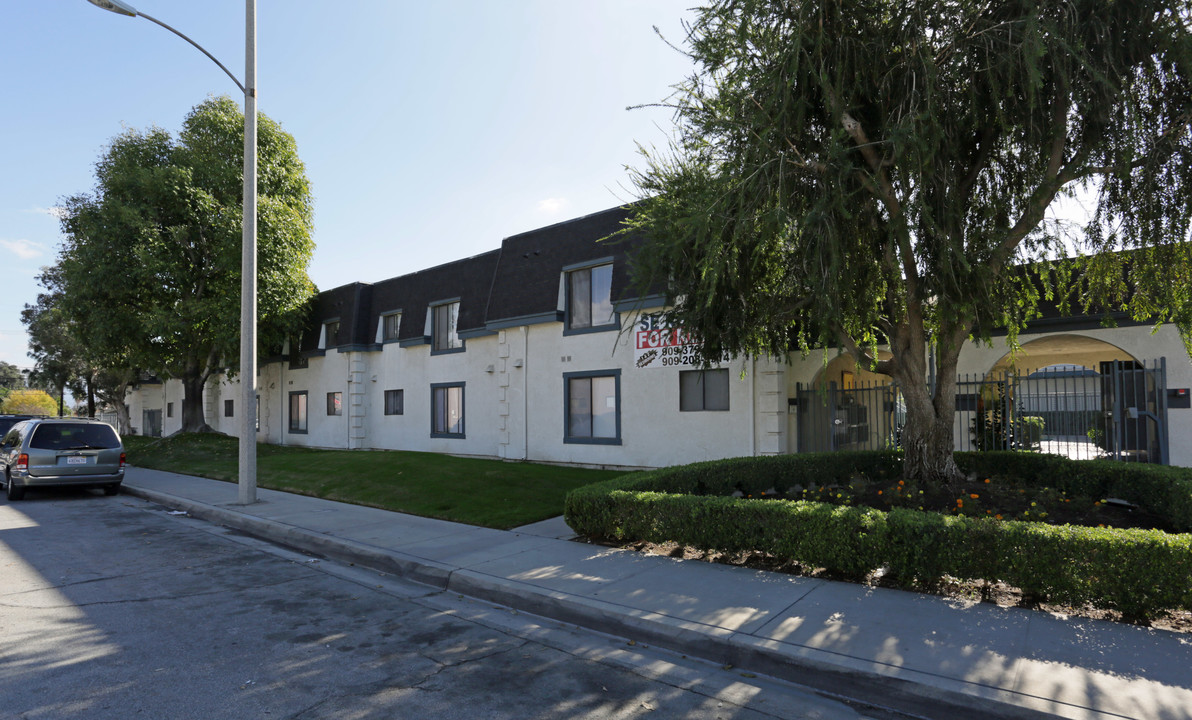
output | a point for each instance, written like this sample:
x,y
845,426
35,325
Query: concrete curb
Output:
x,y
838,677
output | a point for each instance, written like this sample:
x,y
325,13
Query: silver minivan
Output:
x,y
61,451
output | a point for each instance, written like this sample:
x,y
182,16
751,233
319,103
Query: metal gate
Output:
x,y
1118,411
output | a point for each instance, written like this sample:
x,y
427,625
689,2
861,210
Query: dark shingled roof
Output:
x,y
519,282
526,283
468,279
350,304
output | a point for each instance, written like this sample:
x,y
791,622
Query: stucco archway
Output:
x,y
1059,351
843,371
1054,395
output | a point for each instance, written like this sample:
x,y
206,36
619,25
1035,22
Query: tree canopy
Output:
x,y
29,402
10,379
59,356
871,172
150,265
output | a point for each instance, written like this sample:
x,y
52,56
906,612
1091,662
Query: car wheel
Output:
x,y
111,490
15,492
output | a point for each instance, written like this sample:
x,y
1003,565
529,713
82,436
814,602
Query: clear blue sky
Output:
x,y
430,130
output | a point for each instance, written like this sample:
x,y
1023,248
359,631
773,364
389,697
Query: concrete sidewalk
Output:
x,y
919,654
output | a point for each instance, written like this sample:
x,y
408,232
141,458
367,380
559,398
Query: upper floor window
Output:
x,y
330,334
589,298
390,326
444,323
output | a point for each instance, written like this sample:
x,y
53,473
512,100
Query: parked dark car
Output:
x,y
43,452
7,421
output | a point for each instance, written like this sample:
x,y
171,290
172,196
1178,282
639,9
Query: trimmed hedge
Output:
x,y
1138,572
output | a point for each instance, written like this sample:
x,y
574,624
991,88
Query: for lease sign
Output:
x,y
656,345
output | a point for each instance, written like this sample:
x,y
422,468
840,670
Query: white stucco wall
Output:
x,y
514,398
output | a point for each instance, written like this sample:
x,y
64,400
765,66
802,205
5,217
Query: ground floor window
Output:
x,y
447,410
229,408
335,403
703,390
395,402
298,412
592,405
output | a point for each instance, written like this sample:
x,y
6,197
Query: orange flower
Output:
x,y
998,516
974,495
959,502
879,492
986,481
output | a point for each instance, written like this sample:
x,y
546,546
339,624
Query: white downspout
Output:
x,y
526,391
753,406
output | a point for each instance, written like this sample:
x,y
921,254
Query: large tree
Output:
x,y
150,266
54,346
878,172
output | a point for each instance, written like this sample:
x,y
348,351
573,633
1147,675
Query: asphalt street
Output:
x,y
117,608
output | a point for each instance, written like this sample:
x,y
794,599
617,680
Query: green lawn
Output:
x,y
490,493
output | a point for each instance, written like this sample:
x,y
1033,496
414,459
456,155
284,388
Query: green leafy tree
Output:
x,y
853,174
10,379
96,371
29,402
150,266
54,346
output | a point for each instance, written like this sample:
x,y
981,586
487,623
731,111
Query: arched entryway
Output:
x,y
847,407
1060,351
1070,395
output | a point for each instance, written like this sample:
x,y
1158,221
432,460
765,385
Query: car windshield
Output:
x,y
72,436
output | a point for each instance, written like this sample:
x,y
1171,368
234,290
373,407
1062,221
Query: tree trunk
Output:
x,y
123,421
193,417
91,395
928,438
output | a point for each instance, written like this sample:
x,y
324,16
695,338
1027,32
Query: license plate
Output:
x,y
75,460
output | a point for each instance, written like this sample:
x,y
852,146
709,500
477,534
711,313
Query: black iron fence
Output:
x,y
1117,411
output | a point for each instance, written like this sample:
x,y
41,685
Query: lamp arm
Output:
x,y
200,47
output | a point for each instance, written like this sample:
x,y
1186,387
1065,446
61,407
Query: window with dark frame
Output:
x,y
395,402
335,403
447,410
390,326
589,298
593,407
298,412
701,390
331,334
444,322
229,407
169,409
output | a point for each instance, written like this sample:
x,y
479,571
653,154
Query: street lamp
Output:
x,y
248,254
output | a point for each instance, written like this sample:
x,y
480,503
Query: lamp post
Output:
x,y
248,253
